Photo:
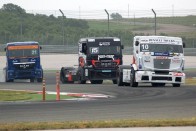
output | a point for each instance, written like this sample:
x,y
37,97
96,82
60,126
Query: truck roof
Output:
x,y
91,39
23,43
159,39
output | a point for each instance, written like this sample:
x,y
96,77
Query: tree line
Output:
x,y
18,25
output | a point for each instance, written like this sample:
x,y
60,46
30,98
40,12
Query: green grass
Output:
x,y
6,95
97,124
115,25
180,20
190,81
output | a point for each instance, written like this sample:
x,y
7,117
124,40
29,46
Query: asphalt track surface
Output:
x,y
144,102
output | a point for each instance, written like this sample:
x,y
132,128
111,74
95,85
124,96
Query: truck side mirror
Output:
x,y
122,46
136,43
84,48
184,45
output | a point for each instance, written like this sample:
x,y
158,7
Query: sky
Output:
x,y
83,6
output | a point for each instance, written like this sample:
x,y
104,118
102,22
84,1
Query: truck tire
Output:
x,y
176,85
80,81
39,80
62,77
96,81
6,79
32,80
10,80
80,74
114,81
119,78
132,79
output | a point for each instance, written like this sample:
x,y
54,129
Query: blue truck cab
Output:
x,y
23,61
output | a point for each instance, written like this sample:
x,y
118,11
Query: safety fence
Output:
x,y
64,49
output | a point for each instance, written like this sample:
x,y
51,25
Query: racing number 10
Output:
x,y
144,46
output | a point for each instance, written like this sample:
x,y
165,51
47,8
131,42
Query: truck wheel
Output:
x,y
132,79
119,78
176,85
81,81
114,81
80,74
62,77
32,80
96,81
39,80
11,80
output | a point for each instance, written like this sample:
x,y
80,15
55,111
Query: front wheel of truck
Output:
x,y
39,80
119,78
32,80
114,81
133,83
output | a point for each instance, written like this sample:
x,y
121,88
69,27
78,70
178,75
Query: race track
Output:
x,y
144,102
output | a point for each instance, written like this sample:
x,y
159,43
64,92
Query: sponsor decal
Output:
x,y
178,74
94,50
176,61
106,56
104,43
24,66
160,54
146,58
161,57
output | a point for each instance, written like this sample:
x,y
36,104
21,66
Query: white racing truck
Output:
x,y
158,60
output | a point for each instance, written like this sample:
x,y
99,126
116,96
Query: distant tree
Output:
x,y
116,16
13,8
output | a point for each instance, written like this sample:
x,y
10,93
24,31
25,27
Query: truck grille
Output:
x,y
162,63
105,64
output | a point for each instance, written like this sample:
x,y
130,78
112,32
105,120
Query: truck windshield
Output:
x,y
23,53
105,50
161,48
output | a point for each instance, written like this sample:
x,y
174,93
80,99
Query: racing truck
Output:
x,y
98,60
23,61
158,60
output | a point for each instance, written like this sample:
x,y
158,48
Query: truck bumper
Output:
x,y
151,77
100,74
24,74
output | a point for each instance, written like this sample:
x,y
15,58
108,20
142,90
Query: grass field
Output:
x,y
97,124
115,25
184,20
6,95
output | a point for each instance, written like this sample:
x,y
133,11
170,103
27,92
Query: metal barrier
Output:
x,y
64,49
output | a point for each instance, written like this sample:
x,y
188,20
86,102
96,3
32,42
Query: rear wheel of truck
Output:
x,y
132,79
119,78
96,81
62,77
80,74
176,85
80,81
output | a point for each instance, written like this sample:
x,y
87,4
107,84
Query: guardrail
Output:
x,y
64,49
